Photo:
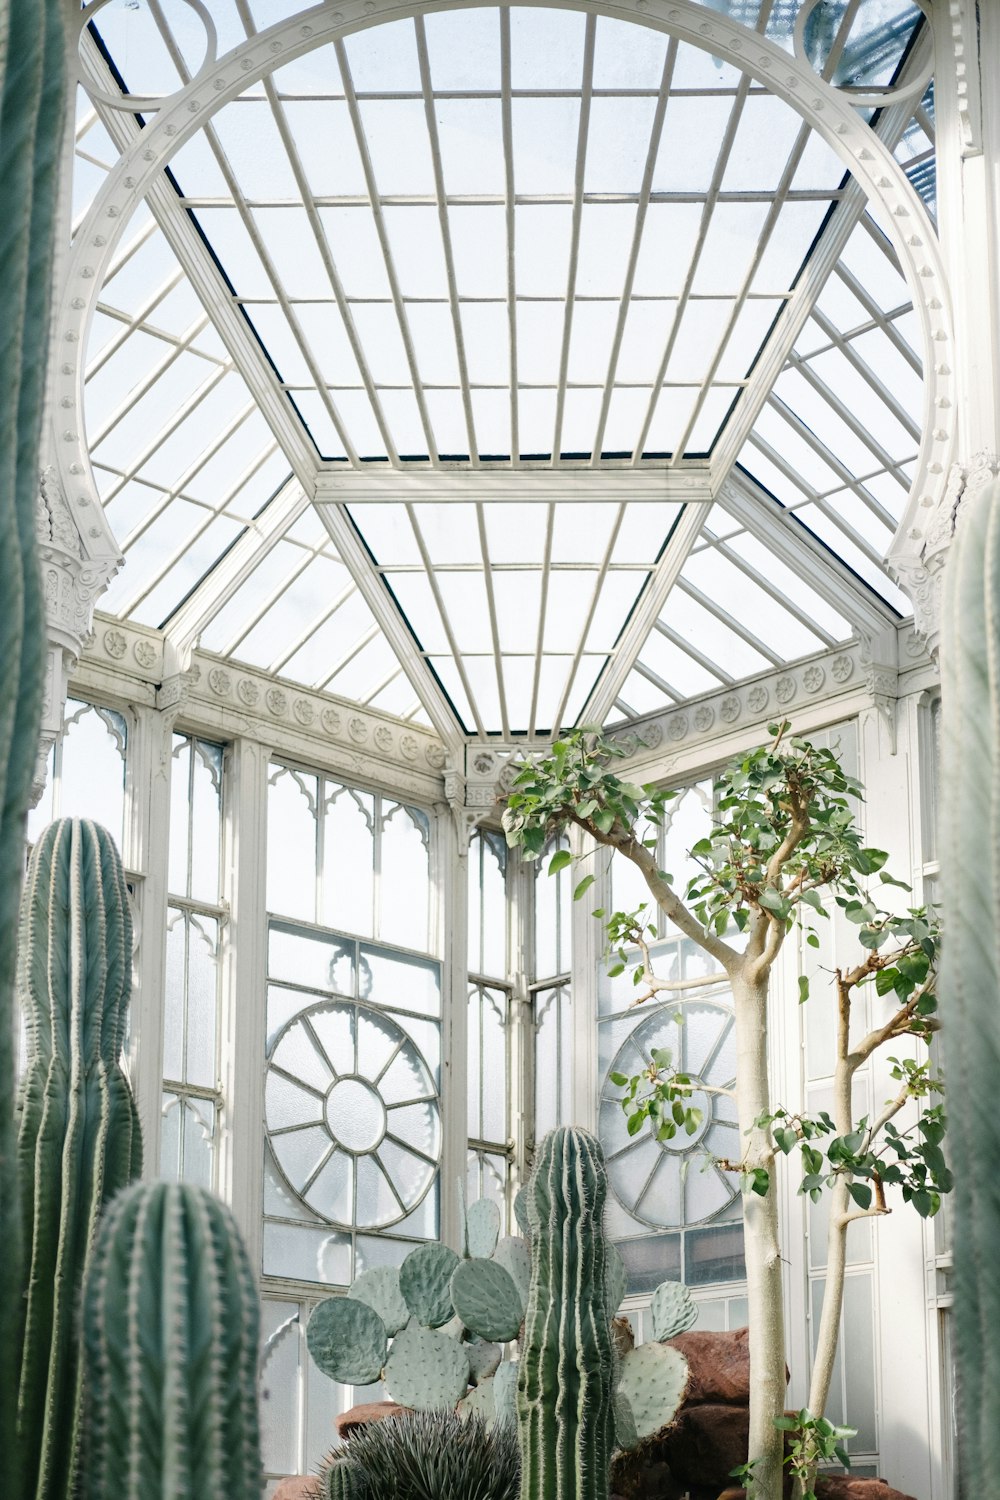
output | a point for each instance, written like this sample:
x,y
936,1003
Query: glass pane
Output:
x,y
291,843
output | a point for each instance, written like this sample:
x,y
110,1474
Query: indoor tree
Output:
x,y
784,842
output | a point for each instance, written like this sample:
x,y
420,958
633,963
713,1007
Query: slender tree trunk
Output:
x,y
836,1253
828,1334
763,1254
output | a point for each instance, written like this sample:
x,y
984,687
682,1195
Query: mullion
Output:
x,y
583,131
507,128
655,136
310,204
445,620
441,204
492,610
585,630
382,231
770,224
710,200
542,614
239,202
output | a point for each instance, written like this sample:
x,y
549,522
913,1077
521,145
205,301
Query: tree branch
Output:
x,y
624,840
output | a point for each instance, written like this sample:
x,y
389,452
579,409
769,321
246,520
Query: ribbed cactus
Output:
x,y
565,1385
79,1140
33,95
970,981
170,1329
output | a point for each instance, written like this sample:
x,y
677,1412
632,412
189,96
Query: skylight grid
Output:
x,y
182,457
515,606
549,261
301,617
736,611
839,435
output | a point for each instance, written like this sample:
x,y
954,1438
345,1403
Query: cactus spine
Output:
x,y
33,55
565,1385
970,887
79,1140
170,1329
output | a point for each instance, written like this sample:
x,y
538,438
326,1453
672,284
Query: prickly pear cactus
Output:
x,y
348,1340
565,1385
425,1281
379,1288
653,1379
170,1314
426,1369
487,1300
79,1140
673,1309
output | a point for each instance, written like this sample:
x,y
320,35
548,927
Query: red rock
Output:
x,y
297,1487
363,1415
718,1365
706,1443
846,1487
839,1487
637,1476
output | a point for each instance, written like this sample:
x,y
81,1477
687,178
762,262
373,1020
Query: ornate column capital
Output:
x,y
476,781
73,576
918,562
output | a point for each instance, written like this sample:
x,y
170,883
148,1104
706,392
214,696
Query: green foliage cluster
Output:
x,y
879,1154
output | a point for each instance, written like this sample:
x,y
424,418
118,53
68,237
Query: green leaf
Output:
x,y
559,861
635,1122
803,988
861,1194
584,885
618,1079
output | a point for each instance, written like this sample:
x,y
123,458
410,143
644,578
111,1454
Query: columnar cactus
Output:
x,y
170,1329
33,96
79,1140
970,888
565,1384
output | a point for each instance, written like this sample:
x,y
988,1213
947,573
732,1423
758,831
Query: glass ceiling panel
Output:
x,y
736,611
424,292
516,607
839,434
496,232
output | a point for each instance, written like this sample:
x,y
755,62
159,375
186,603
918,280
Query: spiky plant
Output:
x,y
565,1387
79,1140
429,1455
970,883
170,1315
33,96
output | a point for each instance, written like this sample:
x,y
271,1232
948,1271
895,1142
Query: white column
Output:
x,y
454,829
147,835
587,946
241,1142
906,1344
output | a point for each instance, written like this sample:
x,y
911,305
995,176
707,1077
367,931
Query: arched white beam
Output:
x,y
821,105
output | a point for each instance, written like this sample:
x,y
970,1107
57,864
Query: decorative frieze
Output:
x,y
231,699
835,675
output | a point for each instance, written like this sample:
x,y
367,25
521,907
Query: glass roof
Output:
x,y
736,611
485,238
839,433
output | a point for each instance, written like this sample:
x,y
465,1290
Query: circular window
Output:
x,y
352,1115
678,1182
